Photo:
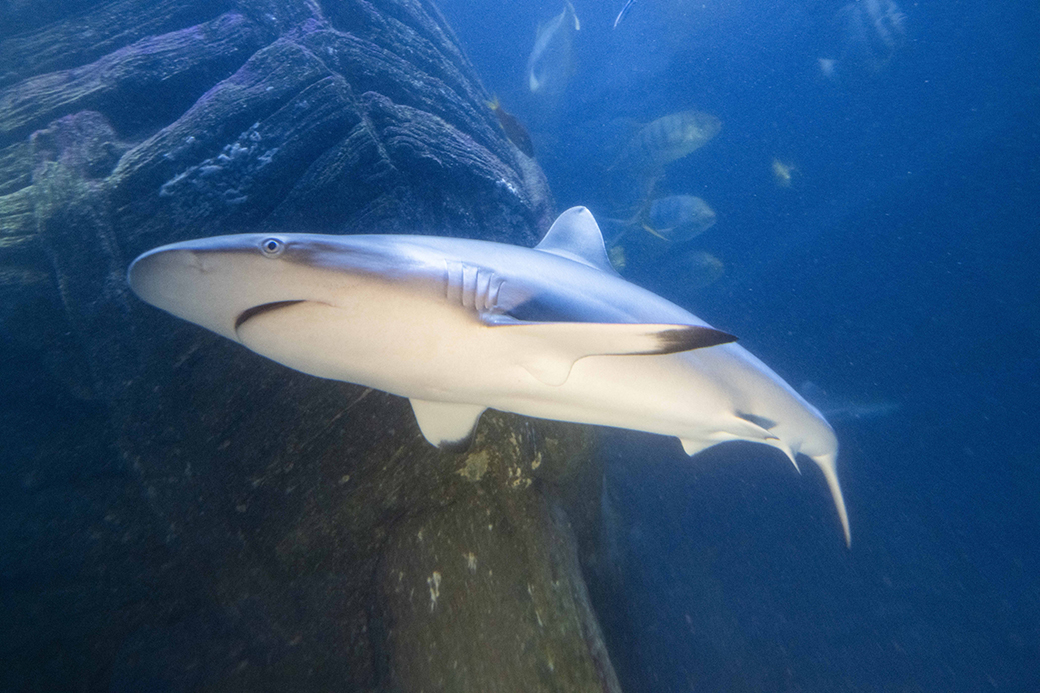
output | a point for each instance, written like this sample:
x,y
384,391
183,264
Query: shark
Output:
x,y
459,326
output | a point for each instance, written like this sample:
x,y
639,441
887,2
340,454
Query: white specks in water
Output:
x,y
434,581
418,535
471,561
503,184
344,479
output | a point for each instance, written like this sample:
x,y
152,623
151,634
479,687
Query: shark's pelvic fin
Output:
x,y
550,349
692,447
447,423
576,236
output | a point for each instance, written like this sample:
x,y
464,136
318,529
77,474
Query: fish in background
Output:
x,y
513,128
670,222
828,67
549,67
623,12
836,409
677,218
665,140
873,31
673,218
783,173
696,269
666,254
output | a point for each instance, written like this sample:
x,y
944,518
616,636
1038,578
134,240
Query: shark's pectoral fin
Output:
x,y
549,349
446,423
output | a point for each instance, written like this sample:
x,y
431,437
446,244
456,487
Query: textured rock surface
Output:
x,y
180,514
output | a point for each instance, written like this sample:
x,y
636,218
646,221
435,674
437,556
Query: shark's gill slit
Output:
x,y
250,313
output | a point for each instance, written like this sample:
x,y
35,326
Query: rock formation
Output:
x,y
179,512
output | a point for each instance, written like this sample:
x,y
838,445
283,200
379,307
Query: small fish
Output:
x,y
874,31
667,139
688,269
828,67
616,254
549,66
623,12
514,130
677,218
783,173
700,269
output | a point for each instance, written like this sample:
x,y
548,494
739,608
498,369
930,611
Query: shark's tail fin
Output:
x,y
827,463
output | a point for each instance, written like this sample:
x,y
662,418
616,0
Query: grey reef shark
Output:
x,y
459,326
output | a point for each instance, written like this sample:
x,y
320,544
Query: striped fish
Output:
x,y
667,139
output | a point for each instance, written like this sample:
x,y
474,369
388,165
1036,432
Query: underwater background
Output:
x,y
897,265
868,224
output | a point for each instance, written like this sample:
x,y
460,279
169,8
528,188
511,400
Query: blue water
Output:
x,y
900,266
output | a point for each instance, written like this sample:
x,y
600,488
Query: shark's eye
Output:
x,y
272,247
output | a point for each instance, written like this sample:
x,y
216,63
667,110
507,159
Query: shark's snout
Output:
x,y
196,285
158,276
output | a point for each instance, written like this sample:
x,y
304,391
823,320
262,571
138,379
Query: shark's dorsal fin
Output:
x,y
446,424
575,235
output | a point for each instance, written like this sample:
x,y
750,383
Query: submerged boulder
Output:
x,y
186,512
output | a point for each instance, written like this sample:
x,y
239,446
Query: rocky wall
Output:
x,y
181,514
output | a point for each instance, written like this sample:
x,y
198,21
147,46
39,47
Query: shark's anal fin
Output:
x,y
446,424
768,425
548,350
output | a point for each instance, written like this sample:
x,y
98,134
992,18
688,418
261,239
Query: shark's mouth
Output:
x,y
251,313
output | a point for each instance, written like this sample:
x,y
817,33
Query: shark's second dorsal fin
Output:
x,y
575,235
